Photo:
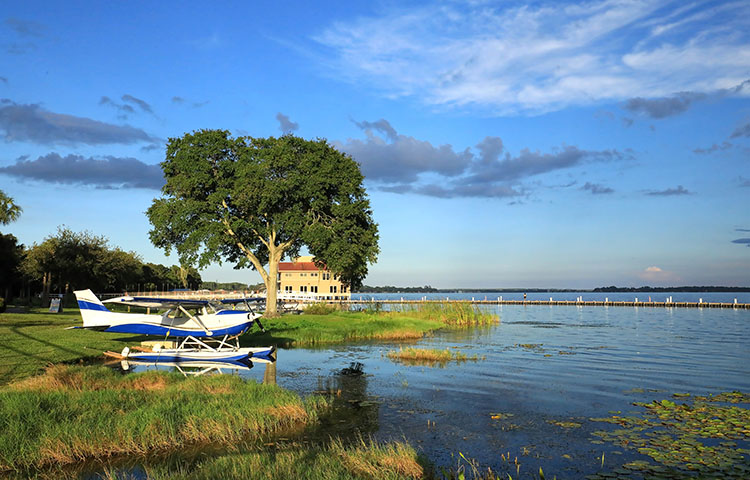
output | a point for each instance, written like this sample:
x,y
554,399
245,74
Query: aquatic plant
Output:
x,y
685,439
428,357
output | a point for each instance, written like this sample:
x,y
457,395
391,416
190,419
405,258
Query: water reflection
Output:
x,y
196,368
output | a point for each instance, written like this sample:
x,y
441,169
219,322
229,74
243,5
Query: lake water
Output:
x,y
540,364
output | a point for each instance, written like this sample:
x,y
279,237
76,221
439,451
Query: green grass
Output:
x,y
335,461
341,327
73,414
31,341
457,314
35,340
428,357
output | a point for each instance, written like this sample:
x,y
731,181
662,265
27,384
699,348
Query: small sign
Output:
x,y
55,306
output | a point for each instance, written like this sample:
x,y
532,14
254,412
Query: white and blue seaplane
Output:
x,y
205,331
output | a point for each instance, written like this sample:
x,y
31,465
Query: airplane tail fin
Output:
x,y
93,311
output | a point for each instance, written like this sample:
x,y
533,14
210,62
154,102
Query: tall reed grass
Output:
x,y
72,414
454,314
363,459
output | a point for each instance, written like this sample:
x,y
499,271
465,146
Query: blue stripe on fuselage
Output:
x,y
148,329
84,305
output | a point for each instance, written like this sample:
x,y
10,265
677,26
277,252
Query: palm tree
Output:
x,y
9,211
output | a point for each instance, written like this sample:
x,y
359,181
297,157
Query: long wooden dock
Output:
x,y
579,303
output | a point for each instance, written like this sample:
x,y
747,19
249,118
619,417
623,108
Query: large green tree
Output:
x,y
253,201
9,211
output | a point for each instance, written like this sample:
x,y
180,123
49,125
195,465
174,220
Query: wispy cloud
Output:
x,y
26,28
679,190
27,32
101,172
126,107
403,164
177,100
680,102
32,123
713,148
741,131
285,125
742,241
532,58
596,189
663,107
143,105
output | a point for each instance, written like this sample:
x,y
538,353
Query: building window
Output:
x,y
287,274
332,289
326,276
314,289
303,289
288,289
313,274
302,274
343,288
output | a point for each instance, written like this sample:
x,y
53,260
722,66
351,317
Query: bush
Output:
x,y
319,309
2,304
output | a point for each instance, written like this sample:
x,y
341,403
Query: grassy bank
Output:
x,y
340,327
35,340
72,414
409,323
31,341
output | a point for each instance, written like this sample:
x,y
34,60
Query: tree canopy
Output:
x,y
252,201
9,211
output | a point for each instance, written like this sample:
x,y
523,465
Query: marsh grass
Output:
x,y
74,414
342,327
428,357
361,459
453,314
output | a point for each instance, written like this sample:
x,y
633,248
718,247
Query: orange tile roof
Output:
x,y
297,267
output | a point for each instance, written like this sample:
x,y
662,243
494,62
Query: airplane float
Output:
x,y
207,332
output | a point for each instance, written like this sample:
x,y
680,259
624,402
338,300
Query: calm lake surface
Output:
x,y
540,364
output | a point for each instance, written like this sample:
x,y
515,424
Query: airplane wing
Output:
x,y
233,301
152,302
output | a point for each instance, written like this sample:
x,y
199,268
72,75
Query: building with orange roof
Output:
x,y
302,277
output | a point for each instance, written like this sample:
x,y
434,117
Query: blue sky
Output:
x,y
504,144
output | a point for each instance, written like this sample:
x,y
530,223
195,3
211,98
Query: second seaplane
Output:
x,y
204,331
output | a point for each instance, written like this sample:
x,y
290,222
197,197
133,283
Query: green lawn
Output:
x,y
31,341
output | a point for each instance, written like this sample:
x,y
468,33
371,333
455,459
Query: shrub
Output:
x,y
2,304
320,309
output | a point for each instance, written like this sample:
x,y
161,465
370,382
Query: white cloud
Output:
x,y
541,57
658,276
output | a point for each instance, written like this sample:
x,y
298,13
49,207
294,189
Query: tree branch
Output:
x,y
253,259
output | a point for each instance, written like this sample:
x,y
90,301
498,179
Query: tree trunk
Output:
x,y
46,280
272,284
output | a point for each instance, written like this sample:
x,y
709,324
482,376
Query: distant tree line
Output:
x,y
392,289
72,260
646,288
232,286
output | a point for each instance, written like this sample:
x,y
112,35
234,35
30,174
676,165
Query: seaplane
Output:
x,y
204,331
